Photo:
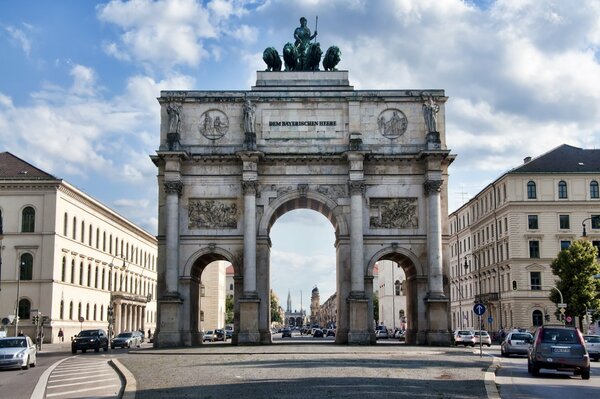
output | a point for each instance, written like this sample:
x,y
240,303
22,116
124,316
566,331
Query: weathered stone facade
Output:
x,y
241,159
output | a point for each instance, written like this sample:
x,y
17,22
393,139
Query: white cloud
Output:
x,y
20,37
6,101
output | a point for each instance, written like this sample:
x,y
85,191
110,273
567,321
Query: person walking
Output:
x,y
61,335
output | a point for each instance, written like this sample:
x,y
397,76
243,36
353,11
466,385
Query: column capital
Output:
x,y
356,187
173,187
432,186
249,187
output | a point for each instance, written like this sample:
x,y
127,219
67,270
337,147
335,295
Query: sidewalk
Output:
x,y
308,371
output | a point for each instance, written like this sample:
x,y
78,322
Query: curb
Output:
x,y
129,387
490,380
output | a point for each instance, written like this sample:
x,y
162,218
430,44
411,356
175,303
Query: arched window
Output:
x,y
104,241
87,311
65,223
90,235
74,227
28,220
110,245
73,271
24,309
95,313
594,191
26,269
82,231
537,318
89,275
62,310
71,311
96,278
397,288
79,310
63,273
102,313
103,278
562,189
97,238
531,190
80,276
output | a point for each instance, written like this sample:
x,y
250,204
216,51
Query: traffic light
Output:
x,y
35,319
514,285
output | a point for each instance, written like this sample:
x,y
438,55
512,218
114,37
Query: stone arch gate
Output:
x,y
373,162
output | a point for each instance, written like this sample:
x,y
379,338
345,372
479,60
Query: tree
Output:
x,y
376,308
275,315
576,267
229,309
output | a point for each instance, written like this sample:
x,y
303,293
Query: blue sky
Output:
x,y
79,81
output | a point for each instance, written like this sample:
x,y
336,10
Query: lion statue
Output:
x,y
271,58
290,57
313,57
332,58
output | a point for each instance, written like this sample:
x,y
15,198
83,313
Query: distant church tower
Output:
x,y
289,303
315,303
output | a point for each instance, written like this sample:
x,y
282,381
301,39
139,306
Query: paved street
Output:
x,y
311,370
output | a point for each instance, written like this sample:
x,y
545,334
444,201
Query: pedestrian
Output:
x,y
21,333
149,334
61,335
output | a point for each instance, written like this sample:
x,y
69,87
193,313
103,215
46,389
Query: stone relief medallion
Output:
x,y
213,124
211,214
394,213
392,123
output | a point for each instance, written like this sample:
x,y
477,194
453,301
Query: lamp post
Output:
x,y
111,307
19,267
584,233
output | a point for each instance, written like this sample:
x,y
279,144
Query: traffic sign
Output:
x,y
569,319
490,319
562,305
479,309
562,310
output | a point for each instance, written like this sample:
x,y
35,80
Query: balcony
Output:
x,y
487,297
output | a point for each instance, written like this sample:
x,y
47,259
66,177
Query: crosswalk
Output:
x,y
80,377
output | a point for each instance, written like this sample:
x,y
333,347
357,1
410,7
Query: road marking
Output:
x,y
81,383
82,390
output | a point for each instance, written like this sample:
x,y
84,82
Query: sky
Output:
x,y
79,81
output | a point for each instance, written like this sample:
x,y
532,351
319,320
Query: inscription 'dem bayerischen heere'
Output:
x,y
302,123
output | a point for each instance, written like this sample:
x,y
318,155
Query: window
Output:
x,y
535,278
28,220
537,318
532,222
65,222
595,221
24,309
82,231
564,244
80,276
96,277
26,270
534,249
63,273
531,190
71,311
73,271
89,276
594,191
62,310
103,278
397,288
90,236
562,189
74,227
563,221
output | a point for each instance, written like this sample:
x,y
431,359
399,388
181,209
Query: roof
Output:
x,y
563,159
14,168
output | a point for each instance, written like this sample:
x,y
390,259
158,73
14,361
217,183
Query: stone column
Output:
x,y
357,189
434,238
249,189
173,192
117,316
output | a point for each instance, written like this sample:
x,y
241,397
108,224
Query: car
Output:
x,y
286,332
126,339
379,334
559,348
17,352
330,332
228,334
592,343
208,336
90,339
141,335
482,338
464,337
219,335
516,343
318,333
400,335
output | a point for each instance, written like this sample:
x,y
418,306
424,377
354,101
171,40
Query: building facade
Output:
x,y
391,291
69,258
214,292
503,240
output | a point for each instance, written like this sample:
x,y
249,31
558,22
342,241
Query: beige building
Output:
x,y
214,292
68,257
391,290
503,240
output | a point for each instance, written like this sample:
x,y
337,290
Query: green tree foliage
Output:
x,y
275,315
229,309
376,308
576,267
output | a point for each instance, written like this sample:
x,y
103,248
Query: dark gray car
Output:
x,y
516,343
558,348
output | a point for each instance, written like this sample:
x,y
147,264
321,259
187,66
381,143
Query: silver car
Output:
x,y
482,337
464,337
592,343
516,343
126,339
17,352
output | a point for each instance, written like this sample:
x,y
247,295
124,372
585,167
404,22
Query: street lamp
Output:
x,y
20,267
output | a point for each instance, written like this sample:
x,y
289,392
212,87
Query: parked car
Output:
x,y
592,344
17,352
219,335
208,336
558,348
482,337
318,333
228,334
464,337
286,332
330,332
90,339
379,334
126,339
400,335
516,343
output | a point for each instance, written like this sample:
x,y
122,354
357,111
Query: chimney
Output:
x,y
527,160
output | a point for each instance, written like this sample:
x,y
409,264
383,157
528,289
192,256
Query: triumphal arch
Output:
x,y
230,163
